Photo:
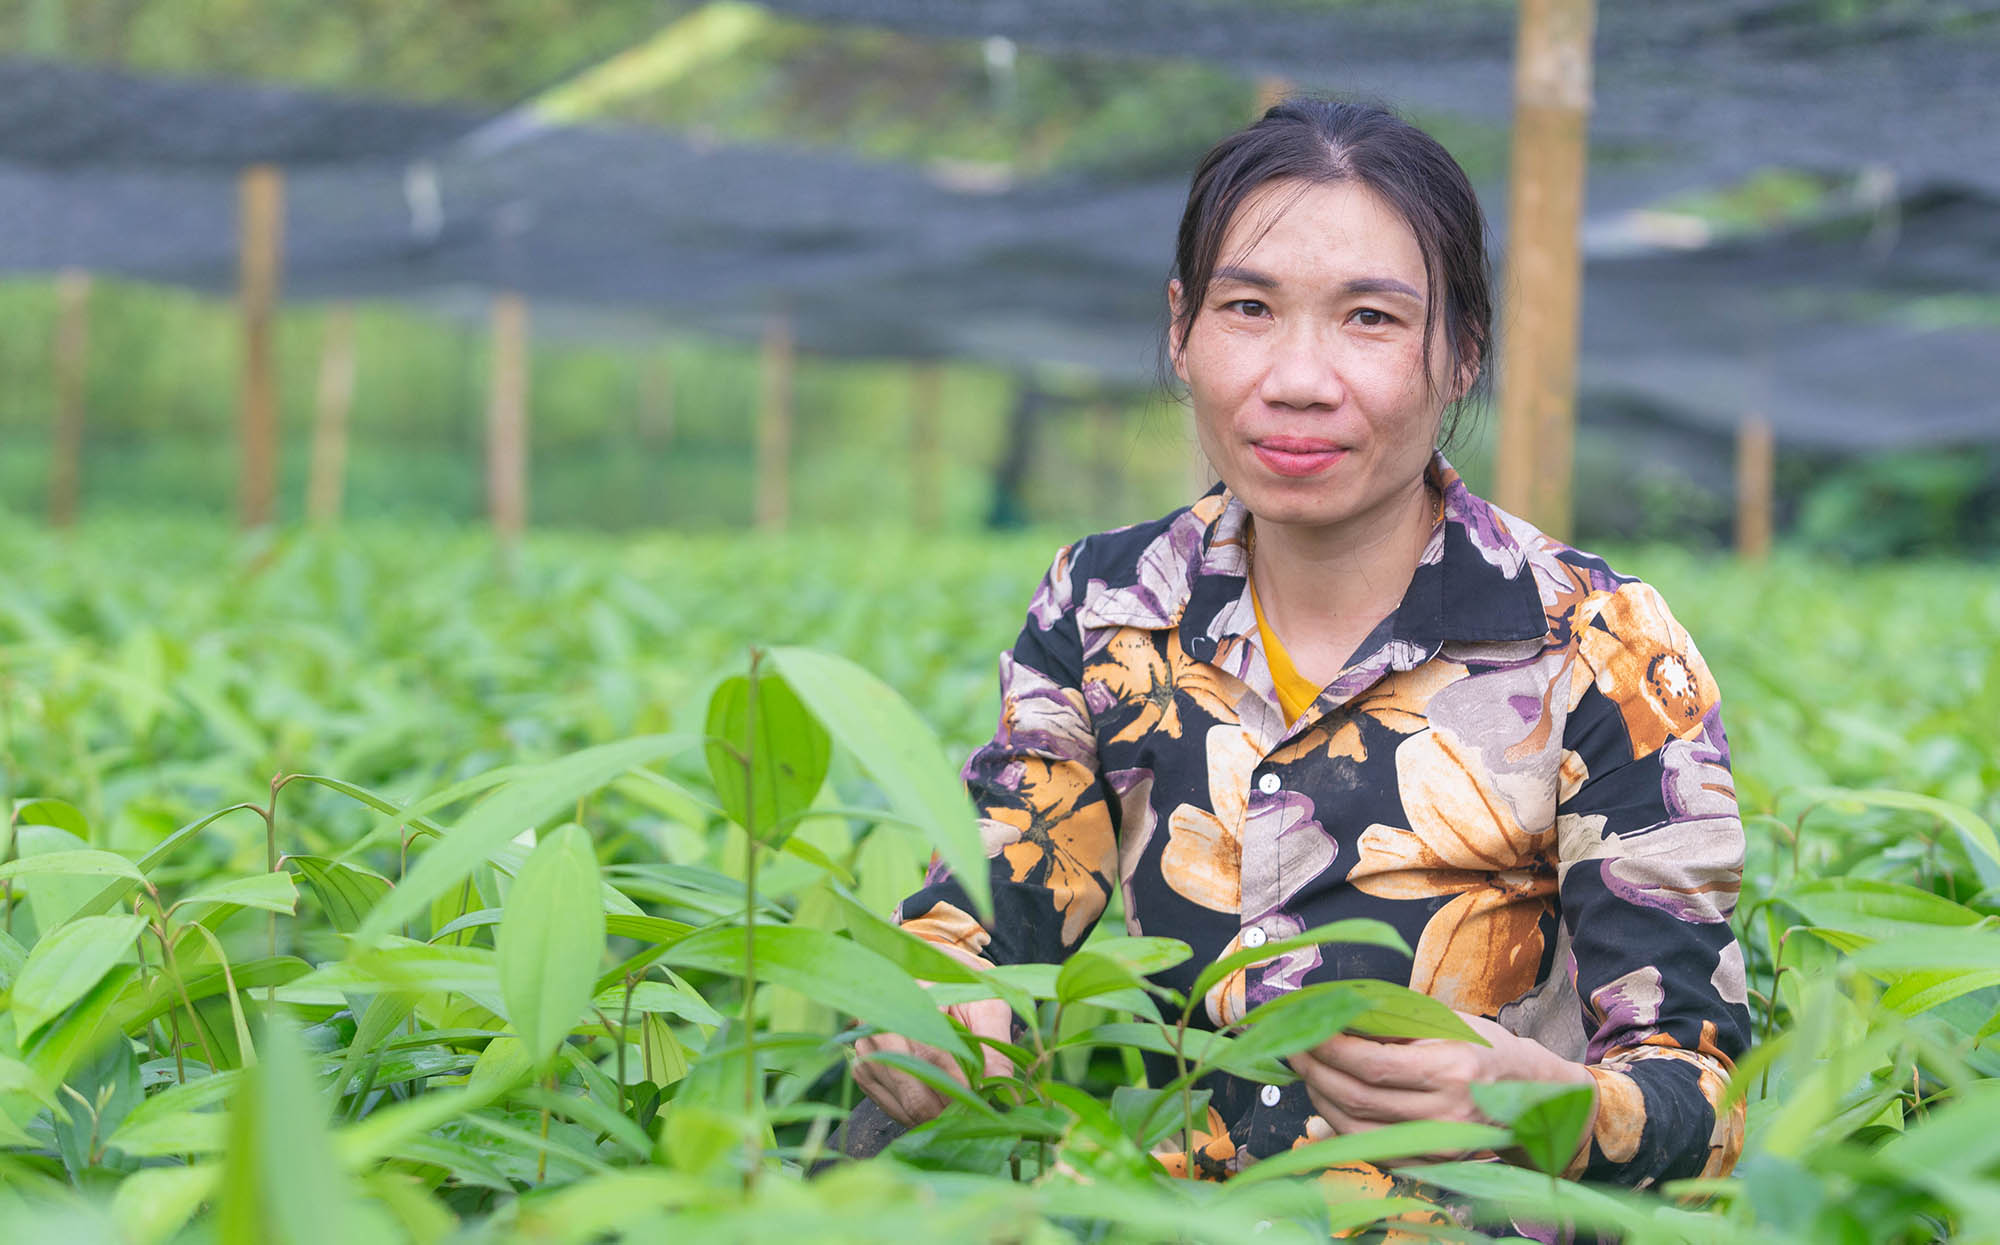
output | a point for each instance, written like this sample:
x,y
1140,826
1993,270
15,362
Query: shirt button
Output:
x,y
1253,937
1269,784
1269,1095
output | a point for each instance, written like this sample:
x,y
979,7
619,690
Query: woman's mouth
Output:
x,y
1297,456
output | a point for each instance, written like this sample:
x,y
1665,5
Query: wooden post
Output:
x,y
774,425
926,458
1107,461
1756,471
656,401
72,349
260,240
507,420
333,400
1552,84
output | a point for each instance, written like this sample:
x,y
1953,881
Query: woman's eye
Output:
x,y
1369,318
1247,306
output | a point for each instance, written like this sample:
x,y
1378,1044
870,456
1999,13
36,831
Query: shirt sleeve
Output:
x,y
1050,838
1651,861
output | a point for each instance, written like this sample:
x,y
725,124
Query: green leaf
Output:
x,y
1976,831
1114,964
661,1054
270,892
1874,908
897,749
346,893
1391,1141
63,967
787,757
914,955
103,900
1931,950
12,956
58,813
659,997
551,941
827,969
1296,1020
84,862
281,1179
1361,931
1148,1115
1548,1119
1399,1012
538,794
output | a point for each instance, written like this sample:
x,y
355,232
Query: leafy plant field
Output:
x,y
364,886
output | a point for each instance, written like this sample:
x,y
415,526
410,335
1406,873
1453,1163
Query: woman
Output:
x,y
1340,685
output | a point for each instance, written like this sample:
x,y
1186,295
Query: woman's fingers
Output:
x,y
988,1018
901,1096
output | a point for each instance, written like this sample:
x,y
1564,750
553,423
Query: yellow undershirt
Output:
x,y
1295,692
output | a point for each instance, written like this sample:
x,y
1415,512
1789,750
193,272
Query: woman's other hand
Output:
x,y
1358,1083
903,1097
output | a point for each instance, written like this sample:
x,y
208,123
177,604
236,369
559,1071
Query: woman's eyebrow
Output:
x,y
1360,285
1382,285
1245,276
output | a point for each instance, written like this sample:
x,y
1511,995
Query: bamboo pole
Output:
x,y
926,457
72,346
326,481
1756,471
507,420
260,241
1552,86
656,401
774,425
1107,460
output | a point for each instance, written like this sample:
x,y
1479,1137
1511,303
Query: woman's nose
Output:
x,y
1302,369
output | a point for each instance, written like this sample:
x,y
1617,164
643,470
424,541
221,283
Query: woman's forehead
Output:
x,y
1300,230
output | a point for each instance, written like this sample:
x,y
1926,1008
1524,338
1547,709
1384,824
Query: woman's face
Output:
x,y
1305,362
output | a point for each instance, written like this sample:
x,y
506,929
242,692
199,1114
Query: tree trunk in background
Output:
x,y
332,402
774,425
1756,470
507,420
1017,457
72,348
926,461
1552,85
1108,461
1273,90
656,401
261,242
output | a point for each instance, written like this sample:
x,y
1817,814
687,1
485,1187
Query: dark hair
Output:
x,y
1324,141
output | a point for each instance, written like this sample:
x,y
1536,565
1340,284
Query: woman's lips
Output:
x,y
1297,456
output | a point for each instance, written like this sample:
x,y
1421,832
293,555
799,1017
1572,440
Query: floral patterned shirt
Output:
x,y
1522,770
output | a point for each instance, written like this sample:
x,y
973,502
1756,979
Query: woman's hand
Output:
x,y
1358,1083
903,1097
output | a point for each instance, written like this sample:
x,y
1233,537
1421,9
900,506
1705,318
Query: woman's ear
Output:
x,y
1176,341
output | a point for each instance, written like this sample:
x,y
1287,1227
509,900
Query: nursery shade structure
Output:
x,y
1686,93
1841,330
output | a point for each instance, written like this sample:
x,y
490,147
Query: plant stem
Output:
x,y
751,1098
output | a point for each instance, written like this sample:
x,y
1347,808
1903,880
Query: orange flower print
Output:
x,y
1484,948
1049,840
1214,1151
1648,666
1398,702
1203,860
1129,675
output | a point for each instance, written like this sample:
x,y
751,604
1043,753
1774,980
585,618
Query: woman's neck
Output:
x,y
1323,589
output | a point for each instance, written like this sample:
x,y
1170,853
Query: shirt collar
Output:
x,y
1473,583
